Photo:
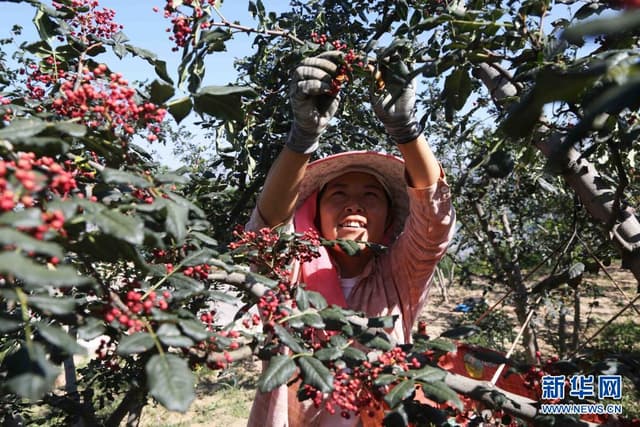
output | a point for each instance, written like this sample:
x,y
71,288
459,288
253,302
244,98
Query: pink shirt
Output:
x,y
393,283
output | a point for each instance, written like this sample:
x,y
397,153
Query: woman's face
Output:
x,y
354,206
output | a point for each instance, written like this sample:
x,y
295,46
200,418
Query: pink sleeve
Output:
x,y
256,222
415,254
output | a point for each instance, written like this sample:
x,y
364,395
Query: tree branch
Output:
x,y
491,396
596,194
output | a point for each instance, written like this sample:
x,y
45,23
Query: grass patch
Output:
x,y
222,398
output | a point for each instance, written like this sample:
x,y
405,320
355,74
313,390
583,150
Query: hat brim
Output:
x,y
385,167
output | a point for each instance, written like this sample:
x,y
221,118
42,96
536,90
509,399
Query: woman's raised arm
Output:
x,y
314,103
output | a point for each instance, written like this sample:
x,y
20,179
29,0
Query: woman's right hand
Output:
x,y
313,100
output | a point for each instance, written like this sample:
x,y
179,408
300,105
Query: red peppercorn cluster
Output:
x,y
89,22
222,342
100,101
197,271
534,374
97,98
207,318
28,180
22,180
354,389
106,354
273,253
272,307
182,24
350,58
253,321
5,112
137,305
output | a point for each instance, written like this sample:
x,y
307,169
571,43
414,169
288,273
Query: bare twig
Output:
x,y
607,323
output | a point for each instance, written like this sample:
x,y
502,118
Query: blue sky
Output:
x,y
147,29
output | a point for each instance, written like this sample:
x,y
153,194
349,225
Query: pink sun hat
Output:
x,y
386,168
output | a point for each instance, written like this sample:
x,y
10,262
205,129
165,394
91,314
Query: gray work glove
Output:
x,y
313,99
394,105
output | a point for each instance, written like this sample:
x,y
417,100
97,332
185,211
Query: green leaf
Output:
x,y
171,382
22,128
440,392
402,10
160,92
176,221
194,329
333,314
116,176
354,354
185,286
170,335
42,145
108,248
93,329
440,344
457,88
400,392
204,238
313,319
382,322
315,373
145,54
280,369
384,379
201,256
460,331
214,39
329,353
26,218
196,71
60,338
551,85
620,24
259,278
71,129
36,276
47,28
171,178
377,341
121,226
13,237
222,102
139,342
30,374
180,108
223,297
427,374
350,247
287,339
302,299
55,305
39,48
9,325
186,203
160,67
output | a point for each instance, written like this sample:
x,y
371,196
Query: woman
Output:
x,y
364,196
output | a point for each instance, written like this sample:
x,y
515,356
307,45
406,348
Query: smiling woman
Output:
x,y
369,197
354,206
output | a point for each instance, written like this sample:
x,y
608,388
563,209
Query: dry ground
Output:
x,y
227,402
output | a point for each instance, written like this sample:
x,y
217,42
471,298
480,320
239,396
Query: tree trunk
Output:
x,y
562,330
597,196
